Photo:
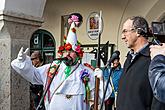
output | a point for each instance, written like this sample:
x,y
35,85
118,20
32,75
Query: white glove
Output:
x,y
22,54
99,73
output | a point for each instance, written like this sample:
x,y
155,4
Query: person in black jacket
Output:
x,y
36,91
135,92
157,71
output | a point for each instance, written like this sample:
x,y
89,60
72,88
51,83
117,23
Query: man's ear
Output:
x,y
137,34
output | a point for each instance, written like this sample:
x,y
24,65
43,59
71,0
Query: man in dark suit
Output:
x,y
135,92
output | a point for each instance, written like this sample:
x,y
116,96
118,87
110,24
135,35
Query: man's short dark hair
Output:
x,y
141,25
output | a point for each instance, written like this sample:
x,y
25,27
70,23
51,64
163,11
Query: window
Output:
x,y
44,42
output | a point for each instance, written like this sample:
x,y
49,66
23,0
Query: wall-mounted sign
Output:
x,y
94,25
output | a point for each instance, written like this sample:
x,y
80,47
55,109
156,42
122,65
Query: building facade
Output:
x,y
19,19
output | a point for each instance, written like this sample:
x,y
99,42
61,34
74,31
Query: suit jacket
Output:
x,y
135,92
157,77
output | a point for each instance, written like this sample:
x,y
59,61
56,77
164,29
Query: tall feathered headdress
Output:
x,y
71,42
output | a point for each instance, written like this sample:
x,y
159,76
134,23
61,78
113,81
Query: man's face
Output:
x,y
71,55
129,35
35,59
116,63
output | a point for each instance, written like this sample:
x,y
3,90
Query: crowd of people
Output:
x,y
70,84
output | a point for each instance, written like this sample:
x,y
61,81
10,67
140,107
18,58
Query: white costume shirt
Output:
x,y
65,94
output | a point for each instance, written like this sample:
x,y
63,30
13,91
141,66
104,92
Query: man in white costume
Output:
x,y
73,85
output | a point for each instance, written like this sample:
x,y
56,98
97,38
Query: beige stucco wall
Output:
x,y
114,13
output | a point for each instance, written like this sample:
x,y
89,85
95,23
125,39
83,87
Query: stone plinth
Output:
x,y
15,32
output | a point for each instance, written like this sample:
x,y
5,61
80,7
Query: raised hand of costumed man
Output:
x,y
22,54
